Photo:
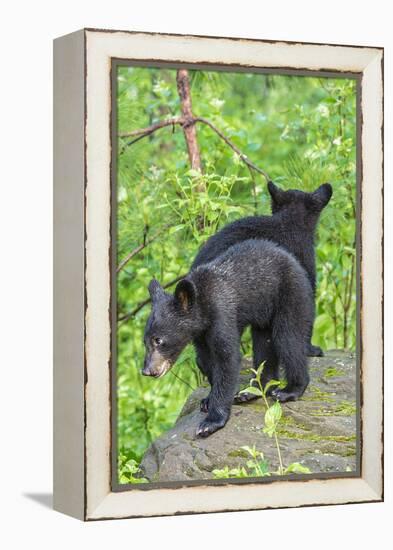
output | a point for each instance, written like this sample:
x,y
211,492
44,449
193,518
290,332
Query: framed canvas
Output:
x,y
169,153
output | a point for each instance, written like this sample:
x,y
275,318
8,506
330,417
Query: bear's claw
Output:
x,y
286,395
204,406
244,397
206,428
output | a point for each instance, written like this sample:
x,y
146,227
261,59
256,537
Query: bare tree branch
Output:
x,y
150,129
241,155
190,135
141,305
142,132
139,248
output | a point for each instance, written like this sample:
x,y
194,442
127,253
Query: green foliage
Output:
x,y
257,466
128,468
301,130
273,416
227,473
296,468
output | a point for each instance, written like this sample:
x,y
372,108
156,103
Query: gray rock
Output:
x,y
319,431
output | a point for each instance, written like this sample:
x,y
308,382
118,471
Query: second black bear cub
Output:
x,y
292,226
253,283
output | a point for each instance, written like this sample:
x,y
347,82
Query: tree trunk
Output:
x,y
189,128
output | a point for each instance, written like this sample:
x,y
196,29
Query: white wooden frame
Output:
x,y
82,387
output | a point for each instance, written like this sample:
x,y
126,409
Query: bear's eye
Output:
x,y
157,341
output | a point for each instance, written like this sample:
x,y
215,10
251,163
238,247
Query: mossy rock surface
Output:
x,y
319,430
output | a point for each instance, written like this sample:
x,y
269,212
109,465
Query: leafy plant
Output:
x,y
273,414
257,466
227,473
128,468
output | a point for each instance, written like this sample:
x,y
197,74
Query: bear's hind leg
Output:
x,y
290,346
263,351
314,351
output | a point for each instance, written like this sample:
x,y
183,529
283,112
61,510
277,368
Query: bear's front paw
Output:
x,y
287,394
244,397
204,406
208,427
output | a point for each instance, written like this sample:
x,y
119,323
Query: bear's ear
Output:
x,y
155,289
276,193
321,196
185,295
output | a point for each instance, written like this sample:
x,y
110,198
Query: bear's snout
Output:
x,y
146,371
155,365
148,367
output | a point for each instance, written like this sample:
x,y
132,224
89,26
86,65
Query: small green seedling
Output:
x,y
273,415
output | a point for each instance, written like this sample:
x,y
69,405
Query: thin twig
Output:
x,y
140,247
143,132
241,155
141,305
348,296
182,380
150,129
254,190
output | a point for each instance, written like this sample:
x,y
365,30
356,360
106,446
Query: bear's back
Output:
x,y
253,270
280,228
250,227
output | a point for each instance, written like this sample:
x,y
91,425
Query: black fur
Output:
x,y
253,283
292,225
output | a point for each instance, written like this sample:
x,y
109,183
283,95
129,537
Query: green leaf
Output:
x,y
260,370
272,418
254,391
270,384
297,468
263,467
251,451
175,228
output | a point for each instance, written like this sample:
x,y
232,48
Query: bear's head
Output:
x,y
299,206
170,327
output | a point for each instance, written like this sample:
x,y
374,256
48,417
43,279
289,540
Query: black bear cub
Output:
x,y
292,226
253,283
